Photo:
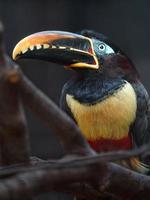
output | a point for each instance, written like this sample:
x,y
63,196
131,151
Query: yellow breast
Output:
x,y
108,119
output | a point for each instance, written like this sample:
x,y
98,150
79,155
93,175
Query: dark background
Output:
x,y
126,22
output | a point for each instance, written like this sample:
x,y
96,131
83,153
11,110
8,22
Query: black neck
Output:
x,y
91,87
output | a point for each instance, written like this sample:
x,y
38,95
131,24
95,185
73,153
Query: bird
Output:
x,y
105,98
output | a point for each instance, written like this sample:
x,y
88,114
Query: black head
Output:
x,y
114,62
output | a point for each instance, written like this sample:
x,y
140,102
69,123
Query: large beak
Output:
x,y
65,48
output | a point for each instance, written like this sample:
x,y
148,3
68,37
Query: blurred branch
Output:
x,y
59,122
99,175
14,144
70,160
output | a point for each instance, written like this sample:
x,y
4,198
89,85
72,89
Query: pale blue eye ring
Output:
x,y
102,47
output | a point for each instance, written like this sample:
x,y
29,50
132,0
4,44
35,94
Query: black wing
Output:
x,y
141,127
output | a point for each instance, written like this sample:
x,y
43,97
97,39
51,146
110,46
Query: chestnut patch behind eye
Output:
x,y
90,50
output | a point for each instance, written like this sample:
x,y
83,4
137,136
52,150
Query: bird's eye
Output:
x,y
102,47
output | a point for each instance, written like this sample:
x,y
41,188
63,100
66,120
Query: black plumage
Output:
x,y
90,87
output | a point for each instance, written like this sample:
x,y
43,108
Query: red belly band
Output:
x,y
104,145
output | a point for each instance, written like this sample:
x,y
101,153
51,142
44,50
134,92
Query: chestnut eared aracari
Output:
x,y
106,97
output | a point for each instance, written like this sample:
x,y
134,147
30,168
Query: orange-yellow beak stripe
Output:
x,y
35,40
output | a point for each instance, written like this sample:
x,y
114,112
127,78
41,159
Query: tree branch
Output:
x,y
36,163
101,176
59,122
14,142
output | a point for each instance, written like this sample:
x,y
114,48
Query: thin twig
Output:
x,y
72,161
